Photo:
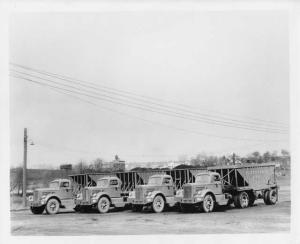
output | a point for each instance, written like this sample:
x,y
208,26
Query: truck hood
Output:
x,y
202,186
148,187
95,188
46,189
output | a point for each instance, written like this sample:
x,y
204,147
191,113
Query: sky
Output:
x,y
233,64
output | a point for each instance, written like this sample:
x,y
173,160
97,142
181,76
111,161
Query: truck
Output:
x,y
158,193
58,195
223,185
107,193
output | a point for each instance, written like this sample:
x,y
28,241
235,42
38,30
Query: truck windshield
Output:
x,y
155,181
102,183
203,179
54,184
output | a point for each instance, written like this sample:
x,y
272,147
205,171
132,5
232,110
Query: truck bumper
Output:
x,y
82,203
36,204
142,202
193,200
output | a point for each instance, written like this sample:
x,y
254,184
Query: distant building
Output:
x,y
115,165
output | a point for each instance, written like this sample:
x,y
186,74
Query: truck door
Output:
x,y
115,188
65,194
216,185
168,187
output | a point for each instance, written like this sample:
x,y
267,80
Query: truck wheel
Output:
x,y
103,205
241,200
37,210
137,208
158,204
52,206
208,203
270,197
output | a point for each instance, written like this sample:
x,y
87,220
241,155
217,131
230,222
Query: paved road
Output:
x,y
257,219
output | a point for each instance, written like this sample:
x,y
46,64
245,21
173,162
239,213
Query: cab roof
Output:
x,y
160,176
109,178
60,180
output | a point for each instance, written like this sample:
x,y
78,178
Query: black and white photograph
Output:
x,y
149,121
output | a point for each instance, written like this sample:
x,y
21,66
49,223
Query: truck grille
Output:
x,y
35,195
187,191
87,194
139,194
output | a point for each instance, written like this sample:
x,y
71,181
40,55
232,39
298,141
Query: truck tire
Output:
x,y
137,208
270,197
103,205
241,200
52,206
37,210
158,204
208,203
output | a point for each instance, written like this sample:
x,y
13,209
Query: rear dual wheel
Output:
x,y
271,197
241,200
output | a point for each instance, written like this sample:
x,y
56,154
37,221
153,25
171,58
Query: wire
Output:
x,y
136,117
165,112
159,111
123,93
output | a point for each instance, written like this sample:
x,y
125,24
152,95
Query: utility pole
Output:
x,y
233,158
25,167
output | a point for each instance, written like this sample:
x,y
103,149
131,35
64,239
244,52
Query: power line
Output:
x,y
159,107
155,110
160,111
142,98
136,117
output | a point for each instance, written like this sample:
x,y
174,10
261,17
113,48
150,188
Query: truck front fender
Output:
x,y
207,191
155,193
101,194
51,195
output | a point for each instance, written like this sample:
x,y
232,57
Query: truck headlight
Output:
x,y
79,196
43,198
179,192
132,194
30,198
149,194
94,195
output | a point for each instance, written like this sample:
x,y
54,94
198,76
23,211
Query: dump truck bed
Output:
x,y
242,177
130,179
252,176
